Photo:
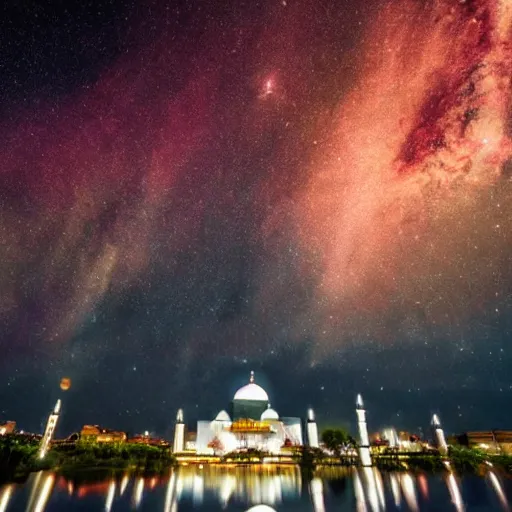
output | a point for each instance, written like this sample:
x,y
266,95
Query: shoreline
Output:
x,y
19,459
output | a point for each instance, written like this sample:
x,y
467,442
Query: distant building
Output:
x,y
97,434
148,440
8,427
378,444
404,436
496,441
390,435
398,441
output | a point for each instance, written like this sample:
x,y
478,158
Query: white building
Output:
x,y
251,424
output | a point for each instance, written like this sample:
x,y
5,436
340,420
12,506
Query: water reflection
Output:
x,y
227,489
379,485
171,503
423,486
5,497
359,493
369,490
247,485
138,490
395,489
41,490
409,490
316,489
453,487
110,496
498,489
254,488
124,484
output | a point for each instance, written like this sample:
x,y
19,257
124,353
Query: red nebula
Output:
x,y
405,151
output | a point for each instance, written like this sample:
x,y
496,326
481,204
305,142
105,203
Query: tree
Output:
x,y
216,444
309,457
337,440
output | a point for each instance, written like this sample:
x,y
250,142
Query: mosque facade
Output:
x,y
249,423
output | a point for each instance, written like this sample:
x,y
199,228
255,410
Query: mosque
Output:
x,y
250,424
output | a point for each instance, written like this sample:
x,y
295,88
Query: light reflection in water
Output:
x,y
171,503
257,486
316,489
44,495
138,490
40,491
423,485
5,497
497,488
110,496
124,484
409,490
179,487
359,493
250,485
395,489
453,487
198,490
379,484
369,490
372,492
34,491
227,488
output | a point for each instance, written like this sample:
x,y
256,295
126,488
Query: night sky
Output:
x,y
316,190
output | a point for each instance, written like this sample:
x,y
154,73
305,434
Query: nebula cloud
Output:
x,y
298,172
407,200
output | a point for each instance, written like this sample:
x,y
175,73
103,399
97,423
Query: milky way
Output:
x,y
415,165
241,181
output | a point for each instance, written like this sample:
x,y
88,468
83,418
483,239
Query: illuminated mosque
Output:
x,y
250,424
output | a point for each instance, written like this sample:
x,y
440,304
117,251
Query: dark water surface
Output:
x,y
281,489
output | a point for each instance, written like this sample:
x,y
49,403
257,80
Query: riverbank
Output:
x,y
19,457
459,460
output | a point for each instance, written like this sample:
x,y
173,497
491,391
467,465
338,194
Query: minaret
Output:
x,y
364,441
312,429
50,429
179,433
439,435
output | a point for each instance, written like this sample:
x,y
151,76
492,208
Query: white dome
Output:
x,y
251,391
269,414
222,416
261,508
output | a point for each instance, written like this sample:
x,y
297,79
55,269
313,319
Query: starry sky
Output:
x,y
316,190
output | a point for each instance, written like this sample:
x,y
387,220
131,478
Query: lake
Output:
x,y
260,489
